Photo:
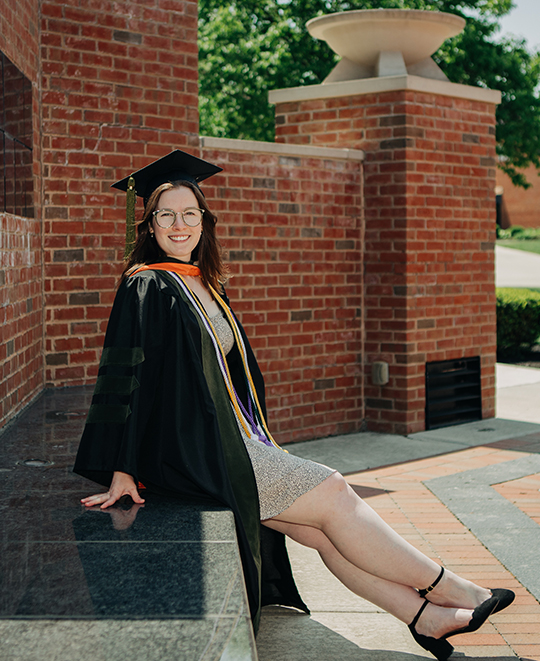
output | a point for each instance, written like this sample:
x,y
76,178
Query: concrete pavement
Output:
x,y
518,388
518,393
516,268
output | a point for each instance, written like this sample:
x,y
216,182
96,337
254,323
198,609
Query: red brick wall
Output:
x,y
19,35
119,89
291,229
430,228
21,301
522,207
21,313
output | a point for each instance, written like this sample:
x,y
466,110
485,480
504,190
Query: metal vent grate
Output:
x,y
453,393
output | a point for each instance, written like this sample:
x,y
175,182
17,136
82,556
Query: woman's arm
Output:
x,y
138,335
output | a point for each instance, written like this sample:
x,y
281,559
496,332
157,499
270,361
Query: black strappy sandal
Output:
x,y
504,597
439,647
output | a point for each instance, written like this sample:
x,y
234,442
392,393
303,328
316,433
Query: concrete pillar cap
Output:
x,y
385,42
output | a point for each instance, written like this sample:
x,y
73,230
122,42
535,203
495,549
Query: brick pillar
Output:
x,y
429,283
119,89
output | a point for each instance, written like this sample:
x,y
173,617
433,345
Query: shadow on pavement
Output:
x,y
298,637
529,444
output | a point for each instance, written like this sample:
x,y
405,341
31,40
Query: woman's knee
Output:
x,y
319,506
337,484
336,493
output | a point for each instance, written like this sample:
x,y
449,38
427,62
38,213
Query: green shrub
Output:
x,y
528,233
518,232
518,318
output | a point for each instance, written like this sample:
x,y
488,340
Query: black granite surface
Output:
x,y
118,572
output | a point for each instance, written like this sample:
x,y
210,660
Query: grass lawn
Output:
x,y
529,245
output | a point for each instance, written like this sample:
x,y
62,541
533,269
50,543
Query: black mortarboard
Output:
x,y
176,166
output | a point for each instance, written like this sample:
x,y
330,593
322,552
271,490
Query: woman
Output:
x,y
179,406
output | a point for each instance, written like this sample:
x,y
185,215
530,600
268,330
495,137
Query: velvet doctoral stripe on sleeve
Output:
x,y
124,396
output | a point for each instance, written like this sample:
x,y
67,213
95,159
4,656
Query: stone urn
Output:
x,y
385,42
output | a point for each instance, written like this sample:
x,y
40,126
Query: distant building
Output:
x,y
515,205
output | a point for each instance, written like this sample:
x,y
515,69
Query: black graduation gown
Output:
x,y
161,414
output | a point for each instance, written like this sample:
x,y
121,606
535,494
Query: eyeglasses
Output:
x,y
166,218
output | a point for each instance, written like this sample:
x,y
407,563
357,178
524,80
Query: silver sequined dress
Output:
x,y
281,477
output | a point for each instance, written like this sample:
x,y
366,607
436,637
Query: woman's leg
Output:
x,y
363,539
400,600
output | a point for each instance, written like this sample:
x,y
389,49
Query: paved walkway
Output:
x,y
518,393
516,268
467,496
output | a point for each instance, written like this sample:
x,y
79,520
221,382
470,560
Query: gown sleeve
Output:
x,y
130,367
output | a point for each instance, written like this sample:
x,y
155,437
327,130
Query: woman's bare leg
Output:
x,y
367,542
400,600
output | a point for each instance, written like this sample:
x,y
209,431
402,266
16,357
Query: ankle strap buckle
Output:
x,y
431,587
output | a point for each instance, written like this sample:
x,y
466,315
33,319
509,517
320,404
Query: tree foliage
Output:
x,y
248,47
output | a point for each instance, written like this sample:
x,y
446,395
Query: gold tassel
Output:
x,y
131,197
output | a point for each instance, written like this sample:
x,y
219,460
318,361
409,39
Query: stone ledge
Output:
x,y
384,84
118,640
229,144
157,582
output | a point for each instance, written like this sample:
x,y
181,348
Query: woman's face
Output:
x,y
179,240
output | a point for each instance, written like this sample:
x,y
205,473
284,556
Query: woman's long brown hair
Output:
x,y
207,253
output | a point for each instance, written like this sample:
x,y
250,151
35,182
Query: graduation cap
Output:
x,y
176,166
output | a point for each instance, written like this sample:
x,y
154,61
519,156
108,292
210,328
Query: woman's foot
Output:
x,y
432,625
426,627
438,621
452,591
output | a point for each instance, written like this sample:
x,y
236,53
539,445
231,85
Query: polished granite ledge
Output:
x,y
57,516
104,580
210,639
156,582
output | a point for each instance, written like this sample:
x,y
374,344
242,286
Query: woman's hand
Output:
x,y
122,484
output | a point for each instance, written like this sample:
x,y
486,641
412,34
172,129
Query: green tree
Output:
x,y
248,47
